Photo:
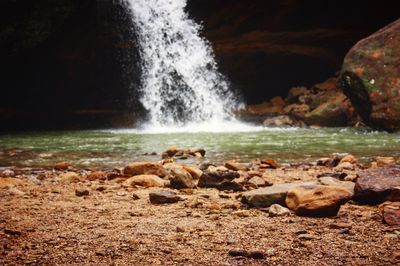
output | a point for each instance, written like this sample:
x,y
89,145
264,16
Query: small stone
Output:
x,y
242,213
253,254
306,237
194,171
8,173
99,175
180,229
278,210
145,181
164,197
391,212
344,166
135,196
121,193
69,177
220,179
180,178
145,168
61,166
340,226
257,182
238,252
80,192
235,166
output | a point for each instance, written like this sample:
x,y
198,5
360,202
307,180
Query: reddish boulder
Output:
x,y
370,77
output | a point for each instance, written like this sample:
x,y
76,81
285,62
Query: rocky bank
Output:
x,y
334,211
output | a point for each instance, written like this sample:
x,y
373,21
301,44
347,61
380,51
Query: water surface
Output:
x,y
110,148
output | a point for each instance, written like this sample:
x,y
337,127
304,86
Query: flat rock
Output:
x,y
378,185
265,197
164,197
317,200
145,168
145,181
331,181
220,179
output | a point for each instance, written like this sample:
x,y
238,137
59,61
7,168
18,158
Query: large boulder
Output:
x,y
317,200
378,185
145,168
371,77
329,114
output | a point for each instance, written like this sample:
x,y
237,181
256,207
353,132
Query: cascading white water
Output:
x,y
180,80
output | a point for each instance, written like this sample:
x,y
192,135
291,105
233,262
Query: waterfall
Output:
x,y
180,81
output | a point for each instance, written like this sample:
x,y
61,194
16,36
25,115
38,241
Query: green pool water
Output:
x,y
106,148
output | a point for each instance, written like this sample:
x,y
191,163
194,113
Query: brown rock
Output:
x,y
265,197
61,166
370,77
194,171
382,161
180,178
282,121
145,181
349,159
80,192
11,182
99,175
268,163
391,212
69,177
145,168
278,210
317,200
378,185
257,182
164,197
235,166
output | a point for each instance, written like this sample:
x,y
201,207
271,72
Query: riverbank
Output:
x,y
166,213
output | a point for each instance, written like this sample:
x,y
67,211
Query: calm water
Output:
x,y
116,148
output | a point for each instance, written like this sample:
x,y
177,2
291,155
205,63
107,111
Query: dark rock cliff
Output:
x,y
75,63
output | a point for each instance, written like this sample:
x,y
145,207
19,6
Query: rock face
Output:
x,y
378,185
316,200
145,168
371,77
220,179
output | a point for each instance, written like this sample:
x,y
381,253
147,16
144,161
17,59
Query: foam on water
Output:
x,y
181,85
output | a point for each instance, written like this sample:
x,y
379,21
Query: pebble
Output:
x,y
242,213
135,196
80,192
254,254
306,237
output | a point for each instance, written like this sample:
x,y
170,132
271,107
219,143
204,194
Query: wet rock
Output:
x,y
235,166
330,181
164,197
328,114
296,92
80,192
282,121
194,171
61,166
180,178
220,179
317,200
145,168
298,111
265,197
174,152
278,210
378,185
145,181
390,212
370,77
69,177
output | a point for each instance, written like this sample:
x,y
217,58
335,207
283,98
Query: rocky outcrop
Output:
x,y
370,77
